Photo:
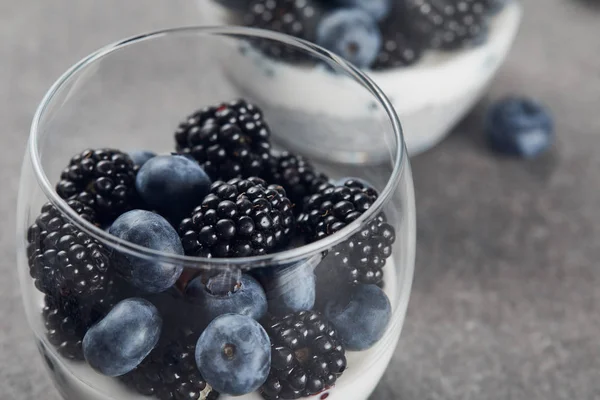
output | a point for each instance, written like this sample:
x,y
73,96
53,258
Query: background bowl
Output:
x,y
430,96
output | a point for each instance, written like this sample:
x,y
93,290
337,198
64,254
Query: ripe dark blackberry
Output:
x,y
448,24
297,18
399,47
67,319
306,356
64,260
243,217
103,179
230,140
359,259
297,176
333,207
170,372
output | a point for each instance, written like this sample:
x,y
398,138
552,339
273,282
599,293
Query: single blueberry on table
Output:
x,y
173,185
378,9
352,34
361,320
233,354
152,231
121,340
289,288
139,157
519,127
225,293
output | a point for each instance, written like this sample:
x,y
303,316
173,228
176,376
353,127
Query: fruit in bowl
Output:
x,y
443,53
188,255
160,329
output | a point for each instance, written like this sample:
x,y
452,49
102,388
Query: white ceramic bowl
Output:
x,y
430,96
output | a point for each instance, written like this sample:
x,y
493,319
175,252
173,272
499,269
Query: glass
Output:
x,y
132,95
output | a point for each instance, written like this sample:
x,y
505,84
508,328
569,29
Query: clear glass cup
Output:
x,y
132,95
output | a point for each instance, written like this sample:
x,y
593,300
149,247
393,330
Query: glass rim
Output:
x,y
288,255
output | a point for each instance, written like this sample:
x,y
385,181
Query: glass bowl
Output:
x,y
431,96
104,335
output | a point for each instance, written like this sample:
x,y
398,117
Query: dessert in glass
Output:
x,y
171,247
433,58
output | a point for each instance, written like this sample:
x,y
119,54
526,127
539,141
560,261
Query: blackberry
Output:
x,y
399,48
449,24
103,179
67,319
297,18
170,372
65,261
306,356
297,176
230,140
243,217
359,259
333,207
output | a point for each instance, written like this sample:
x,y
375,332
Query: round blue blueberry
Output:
x,y
173,185
233,354
226,294
352,34
290,288
140,157
121,340
378,9
362,320
152,231
520,127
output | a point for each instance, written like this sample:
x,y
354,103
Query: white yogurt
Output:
x,y
77,381
430,96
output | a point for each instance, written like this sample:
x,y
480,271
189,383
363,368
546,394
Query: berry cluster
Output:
x,y
230,140
333,207
243,217
306,356
178,333
377,34
64,261
103,179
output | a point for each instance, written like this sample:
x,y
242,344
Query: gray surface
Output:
x,y
504,303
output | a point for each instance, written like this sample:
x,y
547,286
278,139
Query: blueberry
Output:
x,y
173,185
519,127
226,294
362,320
290,288
333,281
140,157
152,231
233,354
119,342
352,34
378,9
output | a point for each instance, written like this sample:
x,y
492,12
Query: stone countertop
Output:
x,y
505,302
